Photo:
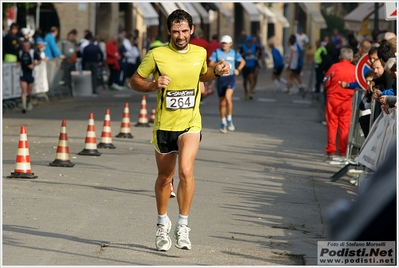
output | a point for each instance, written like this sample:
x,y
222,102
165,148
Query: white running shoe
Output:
x,y
230,125
172,190
182,237
223,128
162,240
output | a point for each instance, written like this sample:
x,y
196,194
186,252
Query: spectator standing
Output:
x,y
278,67
122,63
383,84
303,40
127,44
38,34
40,84
339,103
103,68
52,50
248,52
27,59
92,57
112,60
226,84
352,42
364,48
81,45
68,49
336,38
320,52
133,59
52,53
11,44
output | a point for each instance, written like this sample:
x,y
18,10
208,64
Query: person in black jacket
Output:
x,y
92,57
11,44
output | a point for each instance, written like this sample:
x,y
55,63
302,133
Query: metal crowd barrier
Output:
x,y
356,137
42,88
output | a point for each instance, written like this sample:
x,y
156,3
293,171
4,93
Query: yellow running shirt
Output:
x,y
178,104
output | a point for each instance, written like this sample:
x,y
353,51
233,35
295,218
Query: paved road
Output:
x,y
261,191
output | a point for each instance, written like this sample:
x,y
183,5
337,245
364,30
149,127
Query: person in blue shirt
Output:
x,y
249,52
52,50
226,84
52,53
278,67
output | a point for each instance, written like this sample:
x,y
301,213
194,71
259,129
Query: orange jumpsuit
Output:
x,y
339,106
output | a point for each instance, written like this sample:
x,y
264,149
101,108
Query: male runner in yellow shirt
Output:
x,y
178,68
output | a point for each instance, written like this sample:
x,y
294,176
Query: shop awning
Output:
x,y
251,10
168,7
354,20
283,20
270,16
202,11
191,10
311,10
149,14
224,11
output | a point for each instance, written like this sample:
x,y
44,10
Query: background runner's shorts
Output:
x,y
297,70
248,70
225,82
278,71
27,78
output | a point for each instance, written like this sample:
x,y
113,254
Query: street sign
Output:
x,y
391,11
362,67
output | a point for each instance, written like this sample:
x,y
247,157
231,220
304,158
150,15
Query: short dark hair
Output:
x,y
73,31
370,73
292,39
179,16
373,50
385,51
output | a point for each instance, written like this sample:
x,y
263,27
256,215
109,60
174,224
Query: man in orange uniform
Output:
x,y
339,103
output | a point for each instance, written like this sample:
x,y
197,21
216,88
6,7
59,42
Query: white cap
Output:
x,y
226,39
25,31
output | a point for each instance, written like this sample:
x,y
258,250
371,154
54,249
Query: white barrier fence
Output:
x,y
11,86
380,138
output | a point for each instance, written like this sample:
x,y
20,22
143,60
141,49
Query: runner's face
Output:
x,y
180,35
226,46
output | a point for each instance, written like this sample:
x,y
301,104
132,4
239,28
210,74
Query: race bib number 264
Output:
x,y
180,99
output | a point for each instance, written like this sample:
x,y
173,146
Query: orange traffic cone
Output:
x,y
106,135
152,118
125,125
143,117
22,165
90,142
62,157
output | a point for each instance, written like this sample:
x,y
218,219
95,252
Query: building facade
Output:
x,y
271,20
